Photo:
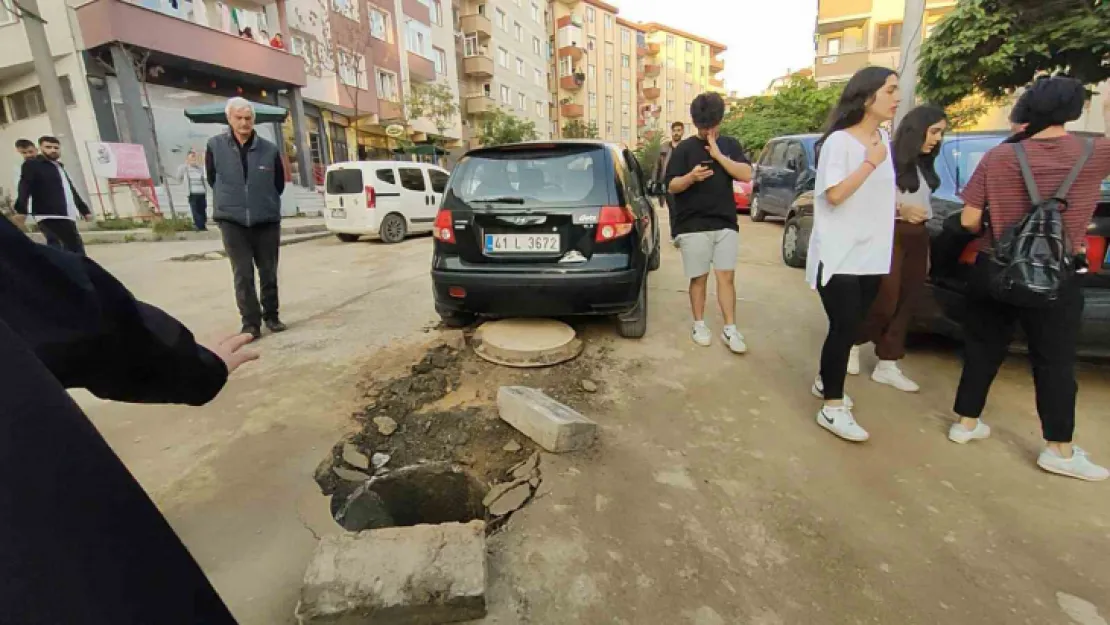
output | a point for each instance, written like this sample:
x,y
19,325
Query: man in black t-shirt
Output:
x,y
700,174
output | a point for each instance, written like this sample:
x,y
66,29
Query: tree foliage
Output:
x,y
575,129
435,102
799,106
499,127
648,152
991,47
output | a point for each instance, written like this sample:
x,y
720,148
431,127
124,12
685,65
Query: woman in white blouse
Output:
x,y
853,230
916,145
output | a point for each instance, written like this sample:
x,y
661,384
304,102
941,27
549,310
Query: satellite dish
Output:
x,y
394,130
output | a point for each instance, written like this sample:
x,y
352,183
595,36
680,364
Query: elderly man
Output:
x,y
247,177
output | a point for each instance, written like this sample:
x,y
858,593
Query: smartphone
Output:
x,y
707,163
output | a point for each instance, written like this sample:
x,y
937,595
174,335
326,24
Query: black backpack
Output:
x,y
1032,260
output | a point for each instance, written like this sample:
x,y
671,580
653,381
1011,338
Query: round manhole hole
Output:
x,y
526,342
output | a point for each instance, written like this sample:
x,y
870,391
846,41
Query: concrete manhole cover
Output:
x,y
526,342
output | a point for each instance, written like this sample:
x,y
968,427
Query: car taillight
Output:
x,y
1096,253
371,197
444,227
613,223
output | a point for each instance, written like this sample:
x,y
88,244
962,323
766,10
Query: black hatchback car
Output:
x,y
942,310
546,229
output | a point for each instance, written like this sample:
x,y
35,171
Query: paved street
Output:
x,y
713,498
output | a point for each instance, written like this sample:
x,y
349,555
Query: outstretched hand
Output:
x,y
230,350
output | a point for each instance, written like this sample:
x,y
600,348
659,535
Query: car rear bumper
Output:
x,y
538,294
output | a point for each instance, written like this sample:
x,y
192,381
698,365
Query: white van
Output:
x,y
386,199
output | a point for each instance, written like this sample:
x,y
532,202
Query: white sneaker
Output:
x,y
960,434
818,390
839,421
702,336
735,341
887,372
853,361
1078,466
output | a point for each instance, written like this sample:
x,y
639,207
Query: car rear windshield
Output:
x,y
565,176
345,181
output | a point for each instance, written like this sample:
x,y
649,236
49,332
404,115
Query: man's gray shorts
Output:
x,y
702,251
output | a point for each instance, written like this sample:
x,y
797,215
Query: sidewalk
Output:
x,y
289,228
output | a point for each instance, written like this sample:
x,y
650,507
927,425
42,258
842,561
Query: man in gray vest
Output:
x,y
247,178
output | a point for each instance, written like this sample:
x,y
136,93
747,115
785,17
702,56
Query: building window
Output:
x,y
470,46
518,31
540,108
591,43
566,66
704,70
520,67
536,46
626,37
522,101
417,40
440,59
832,46
670,84
609,50
689,47
608,76
608,103
347,8
500,20
379,24
29,102
689,67
626,61
705,49
535,12
387,86
608,22
670,105
537,77
591,73
7,16
503,57
591,15
670,41
624,109
506,95
626,85
608,129
352,69
888,35
593,100
437,12
626,134
670,63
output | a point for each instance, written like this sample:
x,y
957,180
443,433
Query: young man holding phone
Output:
x,y
700,174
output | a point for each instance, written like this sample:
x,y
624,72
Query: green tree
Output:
x,y
648,152
499,127
988,48
434,102
799,106
575,129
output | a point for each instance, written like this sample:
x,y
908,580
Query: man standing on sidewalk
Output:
x,y
677,130
700,175
247,178
45,185
191,174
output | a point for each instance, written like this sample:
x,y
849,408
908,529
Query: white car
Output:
x,y
384,199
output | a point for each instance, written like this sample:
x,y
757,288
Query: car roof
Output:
x,y
508,147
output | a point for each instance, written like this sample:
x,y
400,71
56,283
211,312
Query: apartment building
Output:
x,y
505,62
677,67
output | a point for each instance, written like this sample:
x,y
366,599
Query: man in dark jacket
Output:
x,y
678,129
80,541
44,183
247,178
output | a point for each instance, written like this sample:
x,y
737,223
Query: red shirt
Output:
x,y
277,43
997,183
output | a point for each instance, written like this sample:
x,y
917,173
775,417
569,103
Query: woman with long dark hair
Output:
x,y
916,145
1051,329
853,230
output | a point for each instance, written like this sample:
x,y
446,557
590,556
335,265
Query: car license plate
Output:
x,y
522,243
339,213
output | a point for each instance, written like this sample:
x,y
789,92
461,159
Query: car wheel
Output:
x,y
393,228
756,211
633,324
346,238
795,239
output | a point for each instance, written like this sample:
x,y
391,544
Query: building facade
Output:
x,y
677,67
505,62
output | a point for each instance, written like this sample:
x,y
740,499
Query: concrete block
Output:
x,y
419,575
554,426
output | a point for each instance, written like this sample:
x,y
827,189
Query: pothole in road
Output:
x,y
430,493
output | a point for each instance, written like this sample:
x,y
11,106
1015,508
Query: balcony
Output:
x,y
477,23
651,70
389,110
716,64
841,65
418,11
569,3
651,93
653,48
831,12
104,22
571,110
716,83
480,105
573,52
478,66
421,69
572,82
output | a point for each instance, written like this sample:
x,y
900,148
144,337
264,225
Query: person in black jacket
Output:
x,y
44,182
80,541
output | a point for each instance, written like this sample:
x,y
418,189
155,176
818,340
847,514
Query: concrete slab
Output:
x,y
554,426
526,342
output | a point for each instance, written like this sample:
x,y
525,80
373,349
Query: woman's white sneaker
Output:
x,y
818,390
853,361
887,372
839,421
960,434
1078,466
701,334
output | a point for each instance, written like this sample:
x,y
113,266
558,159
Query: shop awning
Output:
x,y
215,114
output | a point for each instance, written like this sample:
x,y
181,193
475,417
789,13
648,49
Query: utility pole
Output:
x,y
51,87
913,28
